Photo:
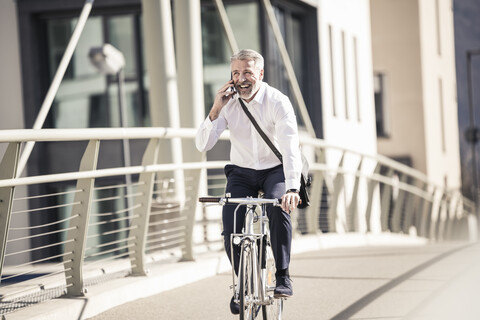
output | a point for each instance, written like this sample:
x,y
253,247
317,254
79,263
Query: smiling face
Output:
x,y
246,78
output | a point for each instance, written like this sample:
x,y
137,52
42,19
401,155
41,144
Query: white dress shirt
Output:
x,y
275,115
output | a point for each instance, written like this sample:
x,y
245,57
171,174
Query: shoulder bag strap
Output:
x,y
260,131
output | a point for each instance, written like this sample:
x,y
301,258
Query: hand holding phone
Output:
x,y
225,94
232,89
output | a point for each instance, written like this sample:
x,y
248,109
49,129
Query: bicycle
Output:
x,y
254,287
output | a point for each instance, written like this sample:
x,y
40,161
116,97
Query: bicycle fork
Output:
x,y
246,242
255,244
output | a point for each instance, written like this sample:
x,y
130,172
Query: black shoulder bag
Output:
x,y
305,180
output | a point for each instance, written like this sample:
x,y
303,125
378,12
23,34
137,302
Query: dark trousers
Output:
x,y
243,182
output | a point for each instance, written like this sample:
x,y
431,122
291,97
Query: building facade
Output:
x,y
415,86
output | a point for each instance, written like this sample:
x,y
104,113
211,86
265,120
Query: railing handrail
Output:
x,y
376,157
85,134
99,173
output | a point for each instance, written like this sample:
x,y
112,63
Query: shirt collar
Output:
x,y
260,94
258,99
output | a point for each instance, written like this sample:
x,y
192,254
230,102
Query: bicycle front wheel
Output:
x,y
246,284
274,310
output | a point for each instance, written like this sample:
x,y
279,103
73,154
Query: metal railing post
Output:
x,y
8,170
372,186
434,213
338,185
441,217
312,213
422,211
189,212
352,213
399,206
409,210
73,259
452,210
386,199
138,242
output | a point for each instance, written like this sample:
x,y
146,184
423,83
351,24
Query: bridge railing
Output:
x,y
373,193
88,227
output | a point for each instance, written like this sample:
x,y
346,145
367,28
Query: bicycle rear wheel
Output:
x,y
274,310
245,280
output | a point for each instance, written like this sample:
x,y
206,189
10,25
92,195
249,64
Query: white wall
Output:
x,y
420,115
352,17
440,105
396,54
11,104
347,94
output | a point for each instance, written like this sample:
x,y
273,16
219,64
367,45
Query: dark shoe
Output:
x,y
234,307
283,288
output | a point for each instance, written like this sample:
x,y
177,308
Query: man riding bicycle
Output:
x,y
254,166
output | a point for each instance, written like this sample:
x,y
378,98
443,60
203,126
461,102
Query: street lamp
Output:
x,y
472,134
109,60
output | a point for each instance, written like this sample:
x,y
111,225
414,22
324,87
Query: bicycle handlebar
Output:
x,y
247,200
210,199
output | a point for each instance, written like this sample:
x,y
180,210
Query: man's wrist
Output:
x,y
293,191
213,116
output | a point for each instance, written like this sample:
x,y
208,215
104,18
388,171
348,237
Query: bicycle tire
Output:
x,y
245,280
274,310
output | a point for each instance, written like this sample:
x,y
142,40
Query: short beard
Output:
x,y
248,95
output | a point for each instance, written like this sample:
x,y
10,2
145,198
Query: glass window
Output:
x,y
213,39
86,98
345,75
291,27
442,114
332,69
121,36
438,27
216,50
357,93
252,32
71,106
380,107
245,24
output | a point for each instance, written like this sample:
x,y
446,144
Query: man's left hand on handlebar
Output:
x,y
290,201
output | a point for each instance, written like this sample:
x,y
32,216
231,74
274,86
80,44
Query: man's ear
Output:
x,y
261,74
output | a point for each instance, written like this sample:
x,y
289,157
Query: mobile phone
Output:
x,y
232,89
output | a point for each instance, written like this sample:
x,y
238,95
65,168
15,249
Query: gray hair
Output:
x,y
249,54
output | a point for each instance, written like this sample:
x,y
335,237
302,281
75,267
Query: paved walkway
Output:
x,y
349,276
438,281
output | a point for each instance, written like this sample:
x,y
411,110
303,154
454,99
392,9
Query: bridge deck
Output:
x,y
349,276
438,281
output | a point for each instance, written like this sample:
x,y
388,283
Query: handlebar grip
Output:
x,y
209,199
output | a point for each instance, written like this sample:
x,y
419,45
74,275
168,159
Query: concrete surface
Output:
x,y
437,282
334,276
